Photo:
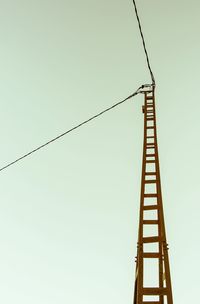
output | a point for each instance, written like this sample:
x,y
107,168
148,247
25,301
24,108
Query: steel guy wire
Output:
x,y
72,129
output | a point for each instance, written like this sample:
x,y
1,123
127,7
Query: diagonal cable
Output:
x,y
70,130
144,44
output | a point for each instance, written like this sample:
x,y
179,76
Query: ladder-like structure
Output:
x,y
152,262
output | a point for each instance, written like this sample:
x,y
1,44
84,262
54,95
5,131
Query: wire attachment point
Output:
x,y
145,88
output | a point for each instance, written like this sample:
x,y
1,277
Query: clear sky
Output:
x,y
69,214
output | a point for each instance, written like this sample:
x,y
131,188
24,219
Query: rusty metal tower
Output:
x,y
152,279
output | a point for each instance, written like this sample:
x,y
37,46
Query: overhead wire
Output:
x,y
144,44
71,130
100,113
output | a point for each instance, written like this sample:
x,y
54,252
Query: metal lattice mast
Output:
x,y
152,244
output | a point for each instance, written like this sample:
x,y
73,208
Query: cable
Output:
x,y
72,129
99,114
144,44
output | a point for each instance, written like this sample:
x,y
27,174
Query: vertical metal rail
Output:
x,y
151,246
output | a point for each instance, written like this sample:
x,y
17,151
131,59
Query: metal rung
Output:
x,y
150,222
150,207
153,147
154,291
150,195
150,144
150,173
150,161
149,97
150,111
151,302
150,137
150,155
150,181
151,239
149,105
149,119
149,91
151,127
151,255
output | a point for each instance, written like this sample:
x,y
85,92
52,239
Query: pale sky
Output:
x,y
69,214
